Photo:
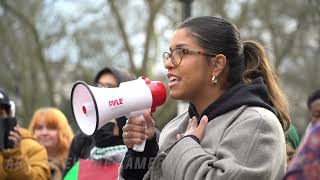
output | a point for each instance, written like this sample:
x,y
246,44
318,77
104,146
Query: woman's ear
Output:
x,y
218,62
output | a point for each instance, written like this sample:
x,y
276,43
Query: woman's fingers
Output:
x,y
134,128
194,122
148,119
134,135
135,131
179,136
203,123
137,120
194,128
130,138
150,129
199,131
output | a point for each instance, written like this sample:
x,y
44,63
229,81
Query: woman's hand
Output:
x,y
194,129
15,136
138,129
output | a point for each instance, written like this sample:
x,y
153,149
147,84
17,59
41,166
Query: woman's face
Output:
x,y
192,76
46,136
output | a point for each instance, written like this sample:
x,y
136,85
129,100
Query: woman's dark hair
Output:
x,y
120,75
313,97
218,36
246,60
258,65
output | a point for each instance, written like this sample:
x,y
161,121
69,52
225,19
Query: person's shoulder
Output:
x,y
265,117
260,112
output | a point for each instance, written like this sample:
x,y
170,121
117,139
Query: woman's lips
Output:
x,y
172,83
173,80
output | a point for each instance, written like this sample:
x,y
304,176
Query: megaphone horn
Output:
x,y
93,107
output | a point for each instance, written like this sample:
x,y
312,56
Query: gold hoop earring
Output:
x,y
214,80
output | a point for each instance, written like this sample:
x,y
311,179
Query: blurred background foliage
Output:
x,y
46,45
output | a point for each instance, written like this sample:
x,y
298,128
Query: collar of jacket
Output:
x,y
253,94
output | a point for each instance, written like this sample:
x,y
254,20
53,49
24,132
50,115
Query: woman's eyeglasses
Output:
x,y
177,54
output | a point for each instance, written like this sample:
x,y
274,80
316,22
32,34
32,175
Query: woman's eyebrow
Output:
x,y
178,46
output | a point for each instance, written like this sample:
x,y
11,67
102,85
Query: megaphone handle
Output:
x,y
140,147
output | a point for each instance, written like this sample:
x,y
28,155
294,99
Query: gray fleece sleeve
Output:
x,y
252,149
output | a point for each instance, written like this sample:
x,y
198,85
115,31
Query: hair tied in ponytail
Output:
x,y
252,52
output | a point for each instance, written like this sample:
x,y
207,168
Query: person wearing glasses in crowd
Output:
x,y
306,162
234,127
101,144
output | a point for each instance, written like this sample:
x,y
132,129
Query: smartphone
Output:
x,y
9,124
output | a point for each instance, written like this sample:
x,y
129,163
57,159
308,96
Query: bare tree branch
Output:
x,y
242,18
280,53
154,7
123,34
39,48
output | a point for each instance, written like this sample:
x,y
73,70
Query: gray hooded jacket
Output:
x,y
250,147
246,142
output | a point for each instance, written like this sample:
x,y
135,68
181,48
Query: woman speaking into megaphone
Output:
x,y
237,113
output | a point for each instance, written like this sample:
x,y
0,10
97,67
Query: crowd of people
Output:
x,y
237,125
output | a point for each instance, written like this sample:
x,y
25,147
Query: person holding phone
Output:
x,y
21,157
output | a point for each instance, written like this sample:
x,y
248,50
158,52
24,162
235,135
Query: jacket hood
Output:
x,y
253,94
